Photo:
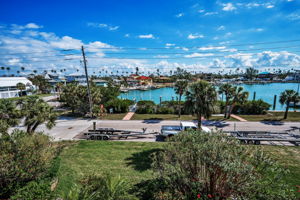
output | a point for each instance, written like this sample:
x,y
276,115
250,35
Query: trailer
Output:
x,y
111,133
256,137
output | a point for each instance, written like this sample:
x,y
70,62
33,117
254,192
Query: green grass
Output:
x,y
132,161
128,159
273,116
172,117
117,116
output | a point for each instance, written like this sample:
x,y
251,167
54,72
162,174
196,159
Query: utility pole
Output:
x,y
87,82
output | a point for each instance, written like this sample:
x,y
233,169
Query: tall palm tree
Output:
x,y
21,87
180,88
251,73
22,68
227,90
36,112
8,69
200,100
137,71
287,97
238,96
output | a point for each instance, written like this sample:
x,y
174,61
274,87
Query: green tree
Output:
x,y
227,90
216,166
251,73
286,98
9,115
238,96
21,87
41,83
180,88
36,112
200,100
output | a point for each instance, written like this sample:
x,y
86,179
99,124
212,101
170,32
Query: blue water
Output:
x,y
265,92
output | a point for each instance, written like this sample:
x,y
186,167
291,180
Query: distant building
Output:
x,y
76,77
265,76
293,77
144,80
100,82
8,86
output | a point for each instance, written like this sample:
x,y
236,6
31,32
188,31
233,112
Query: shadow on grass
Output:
x,y
142,161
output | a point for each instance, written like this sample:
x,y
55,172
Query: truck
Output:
x,y
168,131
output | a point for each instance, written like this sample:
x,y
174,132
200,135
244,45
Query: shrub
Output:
x,y
118,105
23,158
146,107
96,187
215,165
165,110
255,107
34,190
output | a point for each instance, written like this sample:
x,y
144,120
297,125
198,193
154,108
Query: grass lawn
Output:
x,y
172,117
132,161
273,116
117,116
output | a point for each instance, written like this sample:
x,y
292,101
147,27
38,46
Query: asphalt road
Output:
x,y
68,128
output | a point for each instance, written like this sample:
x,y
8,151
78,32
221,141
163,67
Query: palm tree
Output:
x,y
22,68
180,88
200,100
251,73
36,112
21,87
238,96
9,115
287,97
7,68
137,71
227,89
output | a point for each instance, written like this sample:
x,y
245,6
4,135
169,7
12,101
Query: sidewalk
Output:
x,y
238,118
128,116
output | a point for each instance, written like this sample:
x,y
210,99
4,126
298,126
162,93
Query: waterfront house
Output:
x,y
8,86
144,80
266,76
100,82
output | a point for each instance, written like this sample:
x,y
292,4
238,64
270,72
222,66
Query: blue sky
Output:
x,y
203,35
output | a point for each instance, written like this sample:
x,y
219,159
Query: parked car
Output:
x,y
168,131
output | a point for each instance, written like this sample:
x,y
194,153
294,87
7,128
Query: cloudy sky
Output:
x,y
120,35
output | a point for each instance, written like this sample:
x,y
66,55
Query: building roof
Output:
x,y
264,73
143,78
13,81
76,74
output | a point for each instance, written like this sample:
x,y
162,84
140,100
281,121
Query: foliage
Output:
x,y
217,166
180,88
165,110
36,112
118,105
42,84
251,73
9,115
75,96
38,190
255,107
23,158
287,97
96,187
238,96
200,100
146,107
21,87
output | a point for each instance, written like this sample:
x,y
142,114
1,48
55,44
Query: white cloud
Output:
x,y
66,42
169,45
201,11
102,25
210,13
221,28
212,48
293,16
179,15
147,36
195,36
127,35
195,55
228,7
33,26
161,56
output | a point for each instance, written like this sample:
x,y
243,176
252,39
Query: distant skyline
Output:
x,y
201,36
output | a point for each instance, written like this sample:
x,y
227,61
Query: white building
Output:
x,y
8,87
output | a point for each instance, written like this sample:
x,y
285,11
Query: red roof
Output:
x,y
143,78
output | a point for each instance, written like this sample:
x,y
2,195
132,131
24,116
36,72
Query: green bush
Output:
x,y
217,166
255,107
146,107
118,105
23,158
96,187
165,110
34,190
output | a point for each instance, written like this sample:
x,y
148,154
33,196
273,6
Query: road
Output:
x,y
68,128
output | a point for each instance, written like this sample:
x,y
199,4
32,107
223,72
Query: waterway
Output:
x,y
265,92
